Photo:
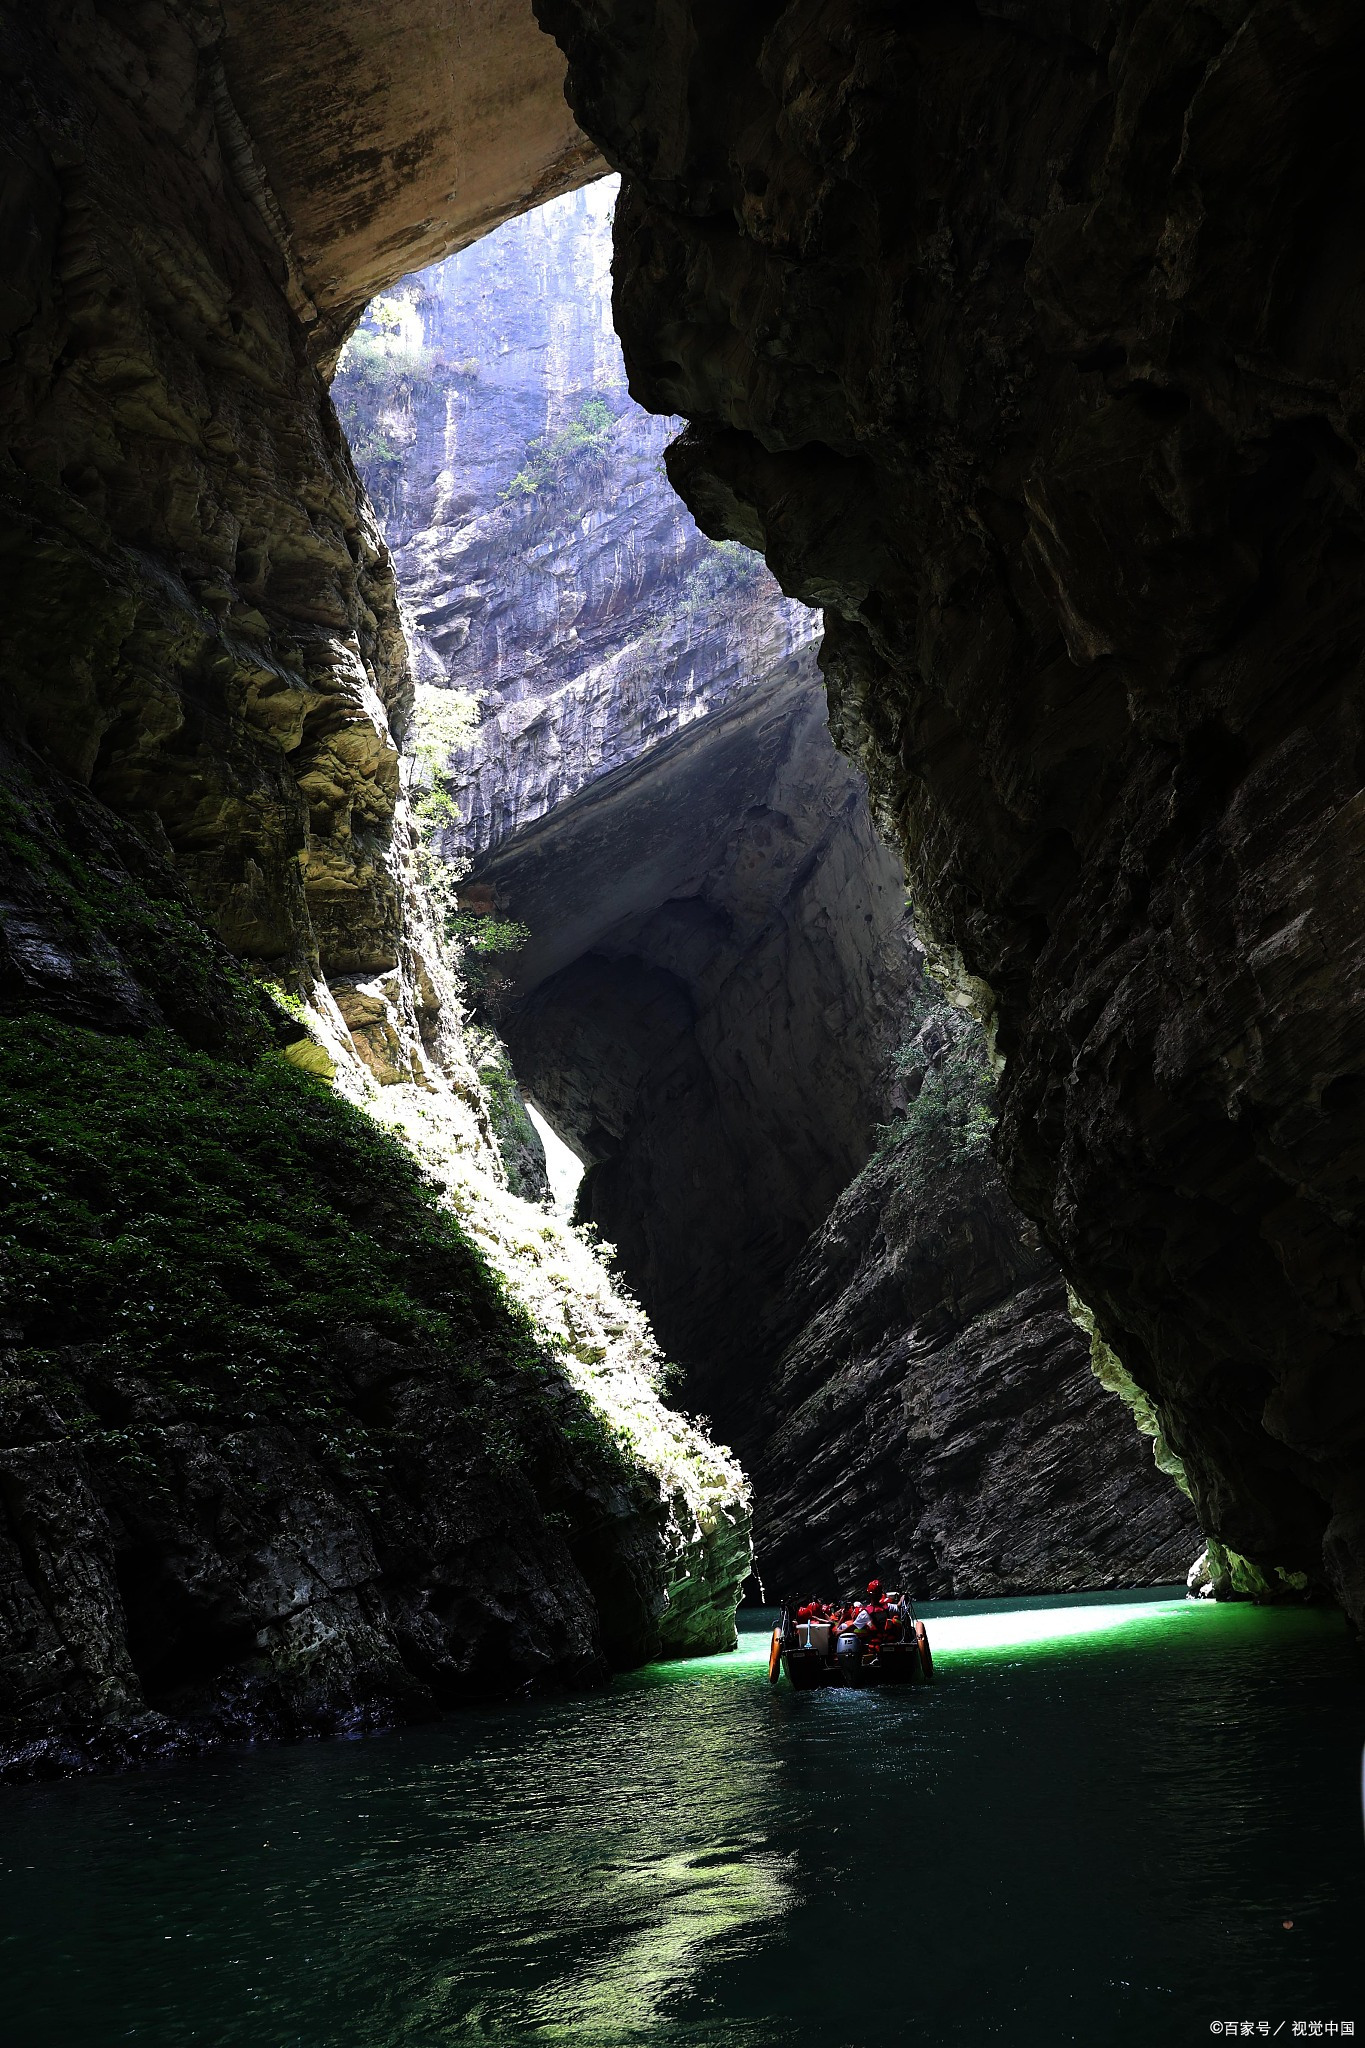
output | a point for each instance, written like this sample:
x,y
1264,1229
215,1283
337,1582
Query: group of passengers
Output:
x,y
882,1617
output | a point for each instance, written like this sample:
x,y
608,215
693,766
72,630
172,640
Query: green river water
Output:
x,y
1089,1829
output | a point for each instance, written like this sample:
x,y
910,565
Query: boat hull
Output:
x,y
891,1664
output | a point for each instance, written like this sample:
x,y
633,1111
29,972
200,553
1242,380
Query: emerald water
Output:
x,y
1090,1829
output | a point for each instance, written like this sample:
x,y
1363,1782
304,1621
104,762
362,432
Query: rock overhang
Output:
x,y
390,134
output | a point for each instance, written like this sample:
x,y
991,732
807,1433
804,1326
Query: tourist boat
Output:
x,y
816,1653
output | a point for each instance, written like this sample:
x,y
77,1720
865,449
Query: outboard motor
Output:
x,y
849,1651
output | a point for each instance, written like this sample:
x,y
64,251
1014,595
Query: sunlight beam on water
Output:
x,y
1044,1628
991,1631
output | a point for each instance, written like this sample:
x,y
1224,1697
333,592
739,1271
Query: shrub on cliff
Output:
x,y
577,455
947,1122
725,570
382,375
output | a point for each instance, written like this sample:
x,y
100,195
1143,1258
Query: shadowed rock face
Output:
x,y
932,1415
200,615
718,969
696,1005
1027,342
707,1002
698,1008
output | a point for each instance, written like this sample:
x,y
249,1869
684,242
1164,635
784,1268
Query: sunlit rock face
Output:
x,y
1027,341
378,134
545,562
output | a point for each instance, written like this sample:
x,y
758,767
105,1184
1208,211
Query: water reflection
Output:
x,y
1090,1829
623,1839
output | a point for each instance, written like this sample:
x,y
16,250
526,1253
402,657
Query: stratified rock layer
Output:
x,y
544,561
1027,341
717,964
378,134
934,1419
718,969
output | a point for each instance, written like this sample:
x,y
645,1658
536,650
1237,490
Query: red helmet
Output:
x,y
874,1585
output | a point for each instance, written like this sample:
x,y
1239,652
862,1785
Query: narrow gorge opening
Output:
x,y
687,946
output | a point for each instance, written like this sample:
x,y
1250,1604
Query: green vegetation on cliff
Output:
x,y
211,1224
383,373
308,1422
182,1204
523,1155
945,1070
578,454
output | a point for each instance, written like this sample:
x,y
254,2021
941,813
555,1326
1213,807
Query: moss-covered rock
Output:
x,y
279,1449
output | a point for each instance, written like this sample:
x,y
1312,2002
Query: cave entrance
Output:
x,y
698,989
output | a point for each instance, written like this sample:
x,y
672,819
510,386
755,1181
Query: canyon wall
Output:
x,y
547,566
718,965
923,1407
722,1006
1026,341
305,1421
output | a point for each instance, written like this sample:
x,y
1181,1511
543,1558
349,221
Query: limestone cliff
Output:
x,y
546,565
720,1004
376,135
294,1432
1025,339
